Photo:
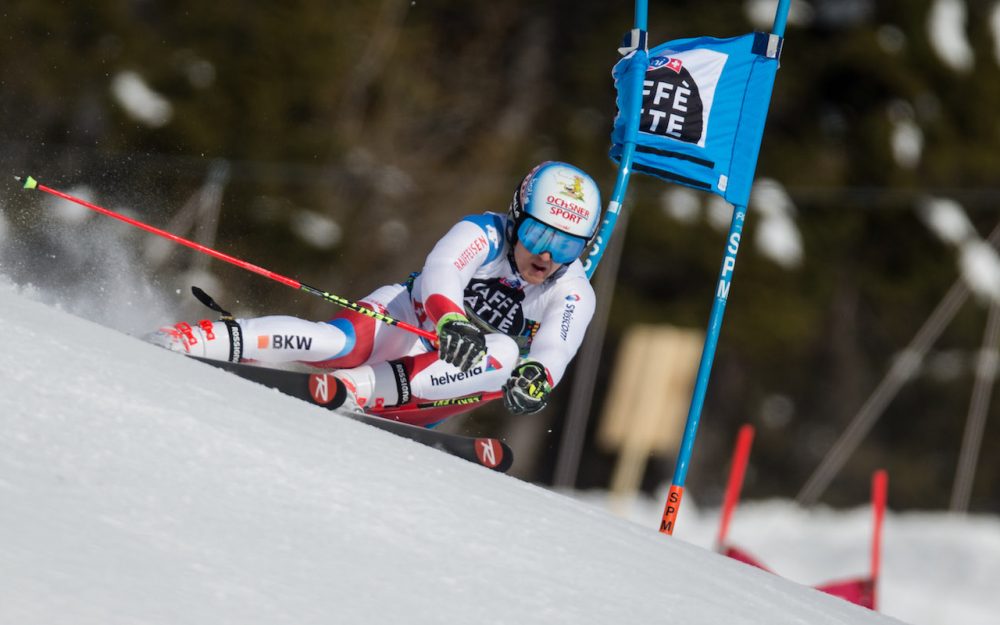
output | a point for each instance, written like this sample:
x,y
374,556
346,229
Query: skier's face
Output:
x,y
534,268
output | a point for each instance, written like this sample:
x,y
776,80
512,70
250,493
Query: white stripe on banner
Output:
x,y
773,42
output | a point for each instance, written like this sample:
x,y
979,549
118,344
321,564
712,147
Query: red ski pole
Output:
x,y
31,183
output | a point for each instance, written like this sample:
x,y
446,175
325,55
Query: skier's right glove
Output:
x,y
461,342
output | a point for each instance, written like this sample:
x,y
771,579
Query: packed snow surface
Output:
x,y
141,487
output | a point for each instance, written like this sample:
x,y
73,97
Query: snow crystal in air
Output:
x,y
393,235
777,237
72,213
946,28
680,204
995,29
891,39
140,101
907,139
318,230
978,261
980,267
947,220
760,13
719,213
3,226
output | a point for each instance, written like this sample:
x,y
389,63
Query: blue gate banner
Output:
x,y
704,104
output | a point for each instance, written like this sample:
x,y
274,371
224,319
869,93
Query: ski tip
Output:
x,y
29,182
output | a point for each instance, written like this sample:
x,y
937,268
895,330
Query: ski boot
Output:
x,y
215,340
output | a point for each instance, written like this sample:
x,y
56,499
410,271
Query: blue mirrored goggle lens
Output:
x,y
538,238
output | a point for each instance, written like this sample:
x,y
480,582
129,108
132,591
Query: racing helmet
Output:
x,y
556,208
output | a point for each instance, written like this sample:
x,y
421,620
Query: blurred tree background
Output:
x,y
353,134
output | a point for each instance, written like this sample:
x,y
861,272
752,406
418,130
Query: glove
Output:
x,y
461,342
526,390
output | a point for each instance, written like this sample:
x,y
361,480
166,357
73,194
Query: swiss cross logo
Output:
x,y
675,64
489,452
418,308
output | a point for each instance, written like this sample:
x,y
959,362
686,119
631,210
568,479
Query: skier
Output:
x,y
507,296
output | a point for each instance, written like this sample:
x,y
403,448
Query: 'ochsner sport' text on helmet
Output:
x,y
556,208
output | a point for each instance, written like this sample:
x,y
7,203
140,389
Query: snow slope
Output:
x,y
937,568
139,487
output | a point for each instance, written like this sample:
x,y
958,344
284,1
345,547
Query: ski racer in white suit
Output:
x,y
507,296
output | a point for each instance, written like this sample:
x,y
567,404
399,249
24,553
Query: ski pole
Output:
x,y
31,183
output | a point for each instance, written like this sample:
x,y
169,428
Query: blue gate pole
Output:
x,y
637,73
676,492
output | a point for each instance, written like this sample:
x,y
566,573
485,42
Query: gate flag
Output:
x,y
704,104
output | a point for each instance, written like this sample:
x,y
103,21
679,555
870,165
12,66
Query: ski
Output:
x,y
323,389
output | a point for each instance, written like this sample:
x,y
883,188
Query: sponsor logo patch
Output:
x,y
497,304
447,378
455,401
573,187
402,381
567,318
284,341
678,92
469,253
570,211
489,452
322,388
672,103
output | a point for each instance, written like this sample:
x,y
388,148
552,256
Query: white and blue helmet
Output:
x,y
556,209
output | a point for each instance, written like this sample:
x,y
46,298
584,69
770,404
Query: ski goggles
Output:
x,y
539,238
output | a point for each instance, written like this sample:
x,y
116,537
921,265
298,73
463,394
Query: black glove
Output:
x,y
461,342
527,389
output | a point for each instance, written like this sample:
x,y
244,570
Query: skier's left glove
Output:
x,y
527,389
462,343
